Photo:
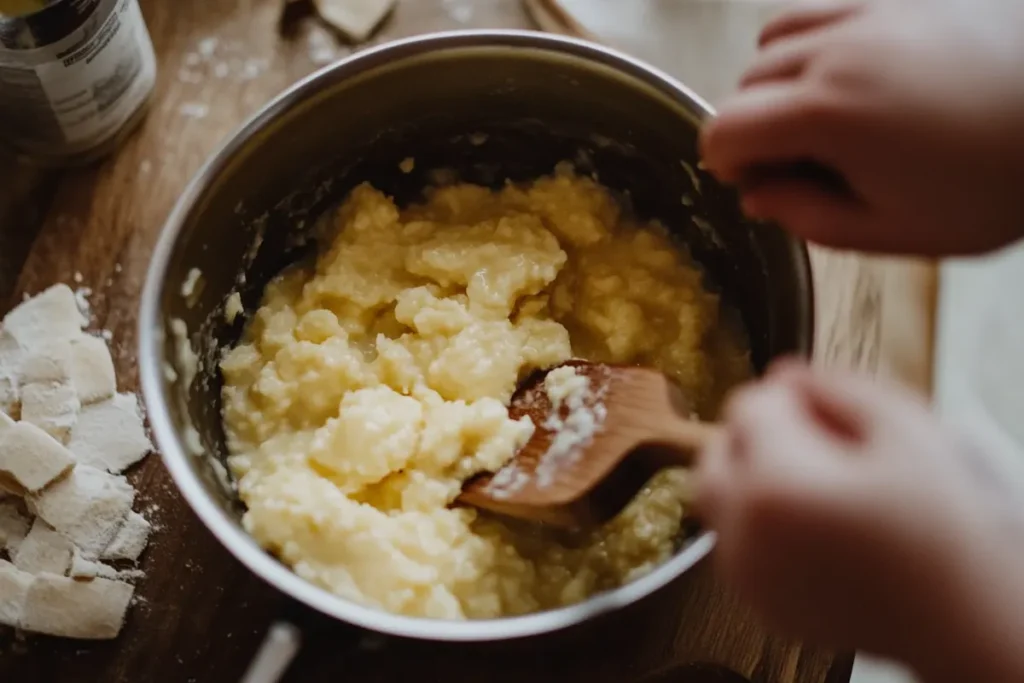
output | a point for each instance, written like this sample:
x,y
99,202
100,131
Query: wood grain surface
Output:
x,y
200,616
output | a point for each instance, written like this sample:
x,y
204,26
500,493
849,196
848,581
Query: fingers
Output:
x,y
785,60
844,408
852,407
806,209
810,15
766,125
772,423
769,438
802,435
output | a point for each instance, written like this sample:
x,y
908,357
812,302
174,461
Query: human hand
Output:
x,y
848,515
917,104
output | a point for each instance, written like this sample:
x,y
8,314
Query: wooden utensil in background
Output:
x,y
582,467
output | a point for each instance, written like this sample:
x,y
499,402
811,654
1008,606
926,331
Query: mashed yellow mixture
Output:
x,y
371,384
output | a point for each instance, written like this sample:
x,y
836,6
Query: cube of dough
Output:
x,y
11,354
44,550
51,316
11,351
62,606
88,507
30,458
92,369
82,568
14,586
14,526
110,435
355,18
130,541
50,406
9,395
46,363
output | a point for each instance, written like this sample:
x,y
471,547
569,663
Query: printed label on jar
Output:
x,y
64,95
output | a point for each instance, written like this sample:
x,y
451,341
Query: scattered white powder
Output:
x,y
187,362
221,473
459,11
144,168
220,60
320,46
170,374
208,46
507,481
565,386
191,286
708,231
572,394
233,308
82,295
252,68
186,76
577,414
194,110
82,568
194,443
186,358
694,178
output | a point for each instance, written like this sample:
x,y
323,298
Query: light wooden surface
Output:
x,y
201,615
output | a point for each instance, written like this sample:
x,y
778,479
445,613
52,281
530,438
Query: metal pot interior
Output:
x,y
484,108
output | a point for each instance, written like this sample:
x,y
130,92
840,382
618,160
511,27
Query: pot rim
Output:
x,y
174,452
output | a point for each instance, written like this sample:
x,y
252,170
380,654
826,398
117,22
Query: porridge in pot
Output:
x,y
373,382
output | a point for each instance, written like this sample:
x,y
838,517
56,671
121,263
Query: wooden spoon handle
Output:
x,y
678,441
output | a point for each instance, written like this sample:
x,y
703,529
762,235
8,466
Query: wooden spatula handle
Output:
x,y
680,440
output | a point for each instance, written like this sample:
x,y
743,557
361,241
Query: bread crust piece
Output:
x,y
130,541
48,399
110,435
90,610
357,19
88,507
14,526
49,317
51,406
92,369
44,550
14,586
11,354
30,459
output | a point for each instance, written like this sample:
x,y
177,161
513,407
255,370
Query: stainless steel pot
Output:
x,y
488,105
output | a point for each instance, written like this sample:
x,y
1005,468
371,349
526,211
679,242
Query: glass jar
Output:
x,y
76,77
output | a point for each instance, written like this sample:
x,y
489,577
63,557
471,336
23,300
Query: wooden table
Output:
x,y
201,615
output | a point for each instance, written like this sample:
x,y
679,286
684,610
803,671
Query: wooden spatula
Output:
x,y
602,432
